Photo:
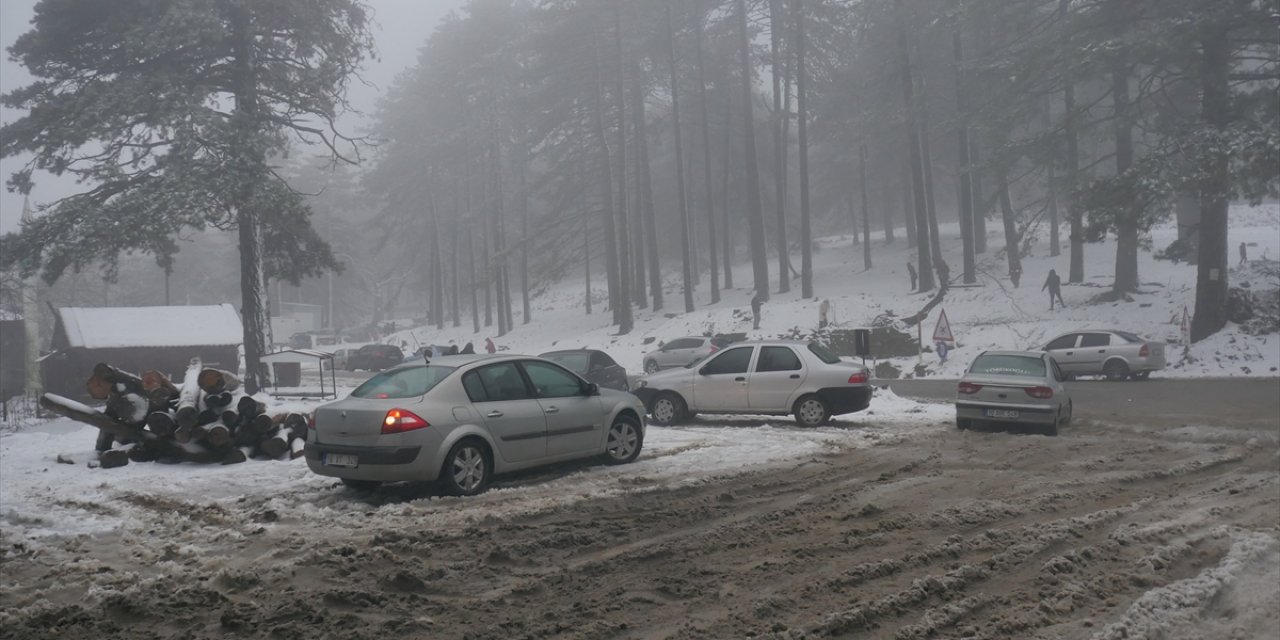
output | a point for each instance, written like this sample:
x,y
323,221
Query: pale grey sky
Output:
x,y
401,28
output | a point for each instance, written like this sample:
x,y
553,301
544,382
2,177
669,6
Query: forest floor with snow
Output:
x,y
888,523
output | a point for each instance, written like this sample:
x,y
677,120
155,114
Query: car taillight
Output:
x,y
400,421
858,378
1039,392
311,421
1144,351
713,349
968,388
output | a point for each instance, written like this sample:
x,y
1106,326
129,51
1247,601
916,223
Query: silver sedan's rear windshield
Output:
x,y
408,382
1132,338
1007,365
824,354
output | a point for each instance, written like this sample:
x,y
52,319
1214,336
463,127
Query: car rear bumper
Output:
x,y
384,464
1027,414
844,400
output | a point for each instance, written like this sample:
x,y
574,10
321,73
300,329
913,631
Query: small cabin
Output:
x,y
13,348
138,339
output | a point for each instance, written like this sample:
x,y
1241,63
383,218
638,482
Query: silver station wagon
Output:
x,y
772,378
460,420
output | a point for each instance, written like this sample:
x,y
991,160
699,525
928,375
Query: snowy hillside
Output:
x,y
993,315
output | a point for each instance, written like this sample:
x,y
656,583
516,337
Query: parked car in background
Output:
x,y
1114,354
463,419
594,365
775,378
682,351
340,357
1014,387
374,357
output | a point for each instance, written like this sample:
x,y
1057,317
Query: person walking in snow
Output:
x,y
1244,255
1054,284
468,349
911,271
489,346
755,310
824,311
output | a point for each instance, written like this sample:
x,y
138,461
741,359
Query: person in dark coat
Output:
x,y
1244,255
1054,284
470,348
453,350
911,271
755,310
489,346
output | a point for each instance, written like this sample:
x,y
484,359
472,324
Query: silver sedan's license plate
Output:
x,y
339,460
1001,413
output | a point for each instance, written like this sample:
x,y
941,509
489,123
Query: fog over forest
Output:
x,y
206,153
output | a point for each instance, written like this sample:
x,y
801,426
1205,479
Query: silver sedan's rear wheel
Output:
x,y
467,469
811,411
1116,370
624,441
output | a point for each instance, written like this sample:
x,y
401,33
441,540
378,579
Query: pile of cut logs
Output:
x,y
205,419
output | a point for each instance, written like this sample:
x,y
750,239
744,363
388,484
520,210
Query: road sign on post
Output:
x,y
942,332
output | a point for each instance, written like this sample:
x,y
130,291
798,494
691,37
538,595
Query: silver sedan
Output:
x,y
1013,387
1105,352
460,420
772,378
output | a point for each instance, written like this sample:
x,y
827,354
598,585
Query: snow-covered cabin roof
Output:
x,y
115,327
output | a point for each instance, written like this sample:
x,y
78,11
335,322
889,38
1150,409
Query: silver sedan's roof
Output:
x,y
463,359
770,343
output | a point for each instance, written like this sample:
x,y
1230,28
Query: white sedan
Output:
x,y
772,378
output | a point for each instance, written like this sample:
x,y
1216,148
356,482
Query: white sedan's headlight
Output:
x,y
640,384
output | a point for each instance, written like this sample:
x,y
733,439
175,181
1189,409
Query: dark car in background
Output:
x,y
374,357
594,365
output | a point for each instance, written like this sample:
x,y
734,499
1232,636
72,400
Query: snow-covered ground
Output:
x,y
994,315
41,497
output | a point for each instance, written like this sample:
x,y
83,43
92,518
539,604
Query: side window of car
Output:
x,y
777,359
1095,340
729,361
682,343
475,387
550,381
1063,342
503,381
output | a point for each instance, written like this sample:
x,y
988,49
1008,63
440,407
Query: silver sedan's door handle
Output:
x,y
552,410
493,414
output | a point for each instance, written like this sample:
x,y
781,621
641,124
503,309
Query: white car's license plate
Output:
x,y
339,460
1001,413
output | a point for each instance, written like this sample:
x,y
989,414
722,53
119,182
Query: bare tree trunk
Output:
x,y
586,261
457,259
680,187
696,25
640,166
866,214
253,309
646,198
1075,216
499,259
471,280
966,183
727,254
606,189
908,202
980,205
806,236
923,254
755,214
1215,186
524,234
1126,223
625,318
779,144
1011,236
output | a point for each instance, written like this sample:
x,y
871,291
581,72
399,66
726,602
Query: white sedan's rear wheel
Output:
x,y
668,408
812,411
